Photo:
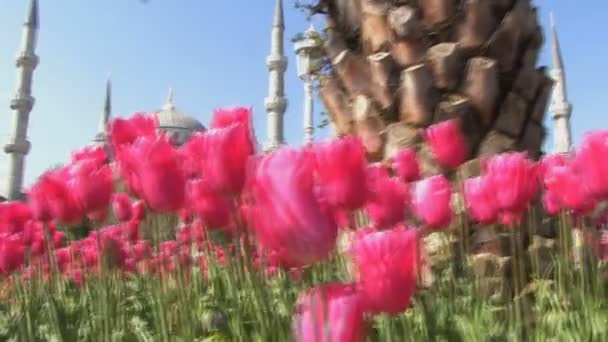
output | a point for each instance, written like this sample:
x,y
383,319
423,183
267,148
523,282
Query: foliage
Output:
x,y
235,303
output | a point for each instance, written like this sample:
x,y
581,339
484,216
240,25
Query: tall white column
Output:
x,y
561,109
309,129
276,103
22,103
101,136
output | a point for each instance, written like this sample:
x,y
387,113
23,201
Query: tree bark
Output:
x,y
501,7
347,13
446,64
454,107
404,22
337,104
437,11
504,43
539,108
478,24
376,7
418,97
408,49
525,17
400,135
354,72
512,116
532,139
527,81
334,44
369,127
407,52
482,87
428,165
382,68
495,143
375,33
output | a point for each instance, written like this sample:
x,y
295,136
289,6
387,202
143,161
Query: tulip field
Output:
x,y
213,240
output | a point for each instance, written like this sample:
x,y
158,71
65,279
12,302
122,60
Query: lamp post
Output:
x,y
309,53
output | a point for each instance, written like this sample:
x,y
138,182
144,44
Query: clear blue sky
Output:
x,y
213,54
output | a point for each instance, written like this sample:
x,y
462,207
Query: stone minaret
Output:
x,y
560,107
22,103
276,103
101,136
169,105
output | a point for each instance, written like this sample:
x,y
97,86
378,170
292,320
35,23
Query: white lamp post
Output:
x,y
309,53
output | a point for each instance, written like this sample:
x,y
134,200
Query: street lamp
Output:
x,y
309,53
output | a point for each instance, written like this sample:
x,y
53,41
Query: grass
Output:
x,y
235,302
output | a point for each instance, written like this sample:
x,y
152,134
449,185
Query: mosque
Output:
x,y
180,125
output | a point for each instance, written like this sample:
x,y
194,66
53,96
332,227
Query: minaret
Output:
x,y
169,105
100,137
22,103
306,51
560,108
276,103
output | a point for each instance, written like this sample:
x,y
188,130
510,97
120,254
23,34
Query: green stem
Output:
x,y
531,220
582,259
515,272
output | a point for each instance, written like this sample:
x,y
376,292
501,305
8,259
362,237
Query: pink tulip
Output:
x,y
405,165
289,221
13,217
97,154
37,243
52,198
131,230
76,276
567,189
213,209
515,181
12,254
58,238
38,201
226,117
128,167
142,250
447,143
155,173
225,160
331,313
591,162
432,201
552,203
552,161
480,200
388,200
122,207
63,257
91,185
340,166
190,155
386,268
127,131
227,149
139,210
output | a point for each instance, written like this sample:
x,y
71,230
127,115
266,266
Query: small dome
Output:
x,y
177,120
177,124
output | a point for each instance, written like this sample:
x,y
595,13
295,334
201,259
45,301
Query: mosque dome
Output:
x,y
175,123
